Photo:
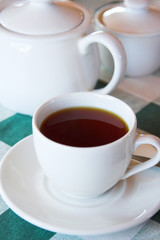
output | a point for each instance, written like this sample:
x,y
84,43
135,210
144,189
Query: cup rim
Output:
x,y
52,100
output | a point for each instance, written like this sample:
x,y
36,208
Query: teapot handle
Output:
x,y
118,53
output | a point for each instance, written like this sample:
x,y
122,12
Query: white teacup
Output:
x,y
88,172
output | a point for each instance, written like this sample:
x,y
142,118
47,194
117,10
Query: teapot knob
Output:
x,y
137,4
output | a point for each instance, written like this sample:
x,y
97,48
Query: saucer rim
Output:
x,y
55,228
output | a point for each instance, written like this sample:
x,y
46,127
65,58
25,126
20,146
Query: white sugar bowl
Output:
x,y
137,25
48,48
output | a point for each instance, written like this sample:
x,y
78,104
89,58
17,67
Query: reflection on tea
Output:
x,y
83,127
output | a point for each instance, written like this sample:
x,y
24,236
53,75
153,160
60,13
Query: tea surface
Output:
x,y
83,127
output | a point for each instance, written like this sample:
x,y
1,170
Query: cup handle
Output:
x,y
140,140
113,44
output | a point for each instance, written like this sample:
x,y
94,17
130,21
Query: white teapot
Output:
x,y
136,23
47,49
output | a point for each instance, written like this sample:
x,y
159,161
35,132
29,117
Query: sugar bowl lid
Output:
x,y
41,17
134,17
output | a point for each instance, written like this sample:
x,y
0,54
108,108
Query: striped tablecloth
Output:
x,y
143,95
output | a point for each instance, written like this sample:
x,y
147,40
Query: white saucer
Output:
x,y
30,195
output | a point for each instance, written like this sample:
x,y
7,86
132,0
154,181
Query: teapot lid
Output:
x,y
41,17
135,17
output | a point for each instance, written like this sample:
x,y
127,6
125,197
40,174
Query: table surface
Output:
x,y
143,95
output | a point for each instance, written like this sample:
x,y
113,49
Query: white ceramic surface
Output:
x,y
49,49
26,191
89,172
137,25
21,17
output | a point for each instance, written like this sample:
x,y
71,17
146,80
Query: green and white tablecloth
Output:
x,y
143,95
